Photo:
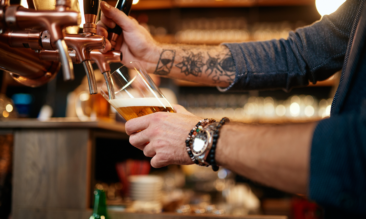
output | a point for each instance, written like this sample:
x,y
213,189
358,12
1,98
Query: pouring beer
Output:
x,y
135,95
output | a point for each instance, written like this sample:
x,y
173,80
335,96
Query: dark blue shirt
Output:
x,y
311,54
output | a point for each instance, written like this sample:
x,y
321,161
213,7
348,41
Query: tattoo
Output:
x,y
165,63
227,65
221,69
191,64
214,64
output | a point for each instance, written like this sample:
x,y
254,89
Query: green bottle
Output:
x,y
100,205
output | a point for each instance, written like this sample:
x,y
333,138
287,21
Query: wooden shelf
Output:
x,y
148,4
166,4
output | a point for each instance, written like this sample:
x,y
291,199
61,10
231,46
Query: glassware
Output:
x,y
135,93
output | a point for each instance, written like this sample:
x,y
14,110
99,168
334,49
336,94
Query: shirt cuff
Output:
x,y
238,57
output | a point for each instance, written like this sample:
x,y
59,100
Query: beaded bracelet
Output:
x,y
211,156
198,127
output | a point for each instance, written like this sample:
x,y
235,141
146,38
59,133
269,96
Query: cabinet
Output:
x,y
53,169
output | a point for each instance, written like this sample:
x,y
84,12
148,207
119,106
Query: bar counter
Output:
x,y
53,165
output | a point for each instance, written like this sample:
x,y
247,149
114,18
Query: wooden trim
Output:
x,y
61,123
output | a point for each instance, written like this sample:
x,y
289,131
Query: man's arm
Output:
x,y
277,156
274,155
204,64
310,54
209,65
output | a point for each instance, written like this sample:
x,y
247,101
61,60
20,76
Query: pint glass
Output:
x,y
135,94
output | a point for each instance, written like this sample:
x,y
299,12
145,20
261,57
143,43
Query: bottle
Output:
x,y
100,205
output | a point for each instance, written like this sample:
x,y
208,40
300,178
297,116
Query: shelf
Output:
x,y
167,4
148,4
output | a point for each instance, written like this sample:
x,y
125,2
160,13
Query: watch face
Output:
x,y
199,142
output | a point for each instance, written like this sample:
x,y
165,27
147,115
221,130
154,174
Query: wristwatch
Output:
x,y
202,143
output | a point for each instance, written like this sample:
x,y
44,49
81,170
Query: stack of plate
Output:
x,y
145,188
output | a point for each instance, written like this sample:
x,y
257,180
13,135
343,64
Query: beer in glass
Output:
x,y
135,94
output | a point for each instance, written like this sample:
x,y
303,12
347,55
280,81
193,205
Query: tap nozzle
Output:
x,y
109,83
66,62
103,60
93,89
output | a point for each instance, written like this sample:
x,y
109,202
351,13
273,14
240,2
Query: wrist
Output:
x,y
152,59
223,145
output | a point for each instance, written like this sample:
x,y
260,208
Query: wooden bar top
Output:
x,y
59,123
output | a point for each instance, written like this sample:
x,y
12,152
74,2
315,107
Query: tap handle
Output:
x,y
91,6
125,6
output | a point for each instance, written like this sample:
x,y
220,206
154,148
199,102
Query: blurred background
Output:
x,y
184,189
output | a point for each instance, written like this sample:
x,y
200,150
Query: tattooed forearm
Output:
x,y
214,65
192,64
165,63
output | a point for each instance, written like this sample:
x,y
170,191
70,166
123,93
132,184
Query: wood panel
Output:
x,y
51,214
62,123
51,169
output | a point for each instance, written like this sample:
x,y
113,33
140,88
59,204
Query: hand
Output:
x,y
163,136
135,42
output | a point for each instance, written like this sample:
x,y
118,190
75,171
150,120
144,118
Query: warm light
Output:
x,y
295,109
81,6
84,96
5,114
24,3
280,110
268,108
135,2
327,111
309,111
325,7
9,108
222,174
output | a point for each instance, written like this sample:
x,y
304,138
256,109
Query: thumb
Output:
x,y
119,17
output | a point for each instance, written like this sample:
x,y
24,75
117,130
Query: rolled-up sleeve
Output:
x,y
338,163
310,54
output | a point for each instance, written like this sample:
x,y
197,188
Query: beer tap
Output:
x,y
16,17
89,29
124,6
101,59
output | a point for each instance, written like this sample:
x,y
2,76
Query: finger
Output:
x,y
108,22
149,151
135,125
101,30
119,41
139,140
119,17
108,46
159,161
181,109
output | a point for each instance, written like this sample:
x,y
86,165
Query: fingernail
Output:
x,y
106,5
